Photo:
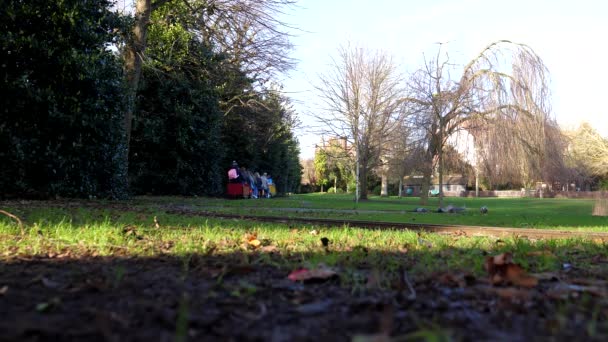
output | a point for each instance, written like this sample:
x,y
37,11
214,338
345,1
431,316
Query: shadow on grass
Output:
x,y
247,296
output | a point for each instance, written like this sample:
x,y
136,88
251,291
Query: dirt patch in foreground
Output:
x,y
167,298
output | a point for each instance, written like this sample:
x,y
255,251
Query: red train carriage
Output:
x,y
238,190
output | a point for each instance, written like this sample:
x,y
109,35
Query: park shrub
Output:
x,y
62,98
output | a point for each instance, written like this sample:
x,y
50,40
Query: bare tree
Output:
x,y
444,106
361,93
308,172
404,152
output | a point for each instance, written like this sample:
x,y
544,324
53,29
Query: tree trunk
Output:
x,y
363,183
424,189
440,177
400,187
384,190
363,161
426,177
133,62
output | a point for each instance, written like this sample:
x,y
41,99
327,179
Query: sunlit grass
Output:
x,y
96,232
569,214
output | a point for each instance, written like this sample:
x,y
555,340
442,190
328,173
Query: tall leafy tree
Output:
x,y
248,33
175,141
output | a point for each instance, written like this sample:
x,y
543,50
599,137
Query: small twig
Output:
x,y
412,295
19,222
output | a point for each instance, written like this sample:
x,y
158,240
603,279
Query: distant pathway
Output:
x,y
297,210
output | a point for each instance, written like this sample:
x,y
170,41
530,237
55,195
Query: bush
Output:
x,y
175,145
62,100
333,190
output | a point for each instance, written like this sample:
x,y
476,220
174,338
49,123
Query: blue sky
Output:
x,y
570,36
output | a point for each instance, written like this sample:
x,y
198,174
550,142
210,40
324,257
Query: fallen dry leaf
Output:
x,y
374,279
502,271
320,273
268,249
598,259
512,293
250,236
251,240
503,258
456,280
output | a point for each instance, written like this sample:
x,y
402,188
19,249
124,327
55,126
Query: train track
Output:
x,y
418,227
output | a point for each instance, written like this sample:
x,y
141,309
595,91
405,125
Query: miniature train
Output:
x,y
243,190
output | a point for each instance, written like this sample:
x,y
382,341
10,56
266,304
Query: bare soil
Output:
x,y
231,298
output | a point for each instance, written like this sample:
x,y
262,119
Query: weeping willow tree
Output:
x,y
505,81
522,144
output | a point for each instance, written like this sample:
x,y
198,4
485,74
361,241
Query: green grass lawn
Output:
x,y
127,249
102,228
111,232
570,214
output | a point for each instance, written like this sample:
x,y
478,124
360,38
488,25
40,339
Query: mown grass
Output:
x,y
569,214
89,229
110,232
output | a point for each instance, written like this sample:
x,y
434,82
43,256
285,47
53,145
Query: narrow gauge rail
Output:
x,y
419,227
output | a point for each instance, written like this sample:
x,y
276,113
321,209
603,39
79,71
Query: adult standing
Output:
x,y
234,175
258,180
265,185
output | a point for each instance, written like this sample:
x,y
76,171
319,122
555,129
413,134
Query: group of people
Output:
x,y
260,184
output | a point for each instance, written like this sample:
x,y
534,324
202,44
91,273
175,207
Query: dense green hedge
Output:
x,y
61,100
175,143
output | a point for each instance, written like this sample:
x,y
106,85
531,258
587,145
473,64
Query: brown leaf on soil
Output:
x,y
320,273
251,240
63,255
250,236
269,249
510,293
374,279
599,259
502,271
456,280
